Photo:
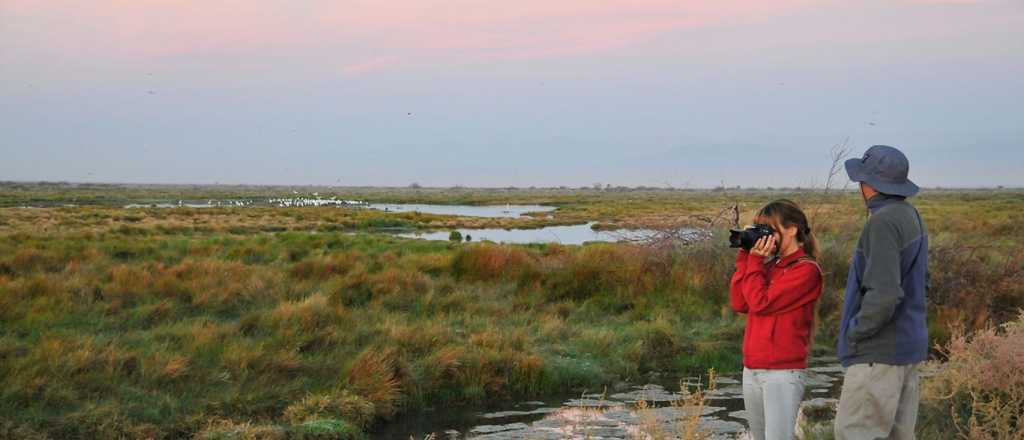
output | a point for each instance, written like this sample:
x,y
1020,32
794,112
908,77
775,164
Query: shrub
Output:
x,y
486,261
981,384
29,259
972,288
321,268
606,268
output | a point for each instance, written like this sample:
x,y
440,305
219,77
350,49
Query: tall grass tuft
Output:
x,y
372,376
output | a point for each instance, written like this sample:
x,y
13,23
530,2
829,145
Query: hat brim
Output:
x,y
855,169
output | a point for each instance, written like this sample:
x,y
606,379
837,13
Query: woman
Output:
x,y
777,284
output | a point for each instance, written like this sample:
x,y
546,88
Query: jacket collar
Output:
x,y
879,200
789,259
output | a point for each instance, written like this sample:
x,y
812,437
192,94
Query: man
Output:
x,y
884,334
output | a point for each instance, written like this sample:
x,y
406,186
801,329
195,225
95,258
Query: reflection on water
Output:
x,y
571,234
627,412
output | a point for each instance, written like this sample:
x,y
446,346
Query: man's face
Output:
x,y
867,192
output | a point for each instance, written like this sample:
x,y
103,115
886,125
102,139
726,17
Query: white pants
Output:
x,y
772,399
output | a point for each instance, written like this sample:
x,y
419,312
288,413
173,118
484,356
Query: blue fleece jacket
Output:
x,y
884,310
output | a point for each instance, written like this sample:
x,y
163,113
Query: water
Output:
x,y
570,234
615,415
490,211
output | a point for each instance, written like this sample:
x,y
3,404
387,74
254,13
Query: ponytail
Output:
x,y
810,243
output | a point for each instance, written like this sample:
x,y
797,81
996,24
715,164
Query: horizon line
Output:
x,y
414,186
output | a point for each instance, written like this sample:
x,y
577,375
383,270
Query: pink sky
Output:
x,y
373,34
366,36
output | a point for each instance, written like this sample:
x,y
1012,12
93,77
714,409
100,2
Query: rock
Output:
x,y
726,381
726,393
487,429
503,414
828,369
818,409
591,403
648,393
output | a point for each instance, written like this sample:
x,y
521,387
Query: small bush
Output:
x,y
321,268
981,385
490,262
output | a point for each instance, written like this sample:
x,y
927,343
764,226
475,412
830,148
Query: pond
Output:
x,y
490,211
565,234
617,414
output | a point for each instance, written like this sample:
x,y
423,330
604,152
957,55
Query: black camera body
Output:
x,y
746,238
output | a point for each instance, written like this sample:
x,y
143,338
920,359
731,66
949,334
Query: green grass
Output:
x,y
228,322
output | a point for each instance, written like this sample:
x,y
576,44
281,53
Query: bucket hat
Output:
x,y
885,168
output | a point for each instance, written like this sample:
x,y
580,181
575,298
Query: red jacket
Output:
x,y
778,297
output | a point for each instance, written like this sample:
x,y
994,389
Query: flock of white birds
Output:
x,y
300,201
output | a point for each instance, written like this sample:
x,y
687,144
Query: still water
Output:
x,y
491,211
569,234
613,414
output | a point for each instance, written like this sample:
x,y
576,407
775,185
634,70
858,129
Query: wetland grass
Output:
x,y
278,323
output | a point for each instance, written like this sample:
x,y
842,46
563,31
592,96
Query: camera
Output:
x,y
745,238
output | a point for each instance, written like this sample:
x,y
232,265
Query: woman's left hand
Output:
x,y
764,247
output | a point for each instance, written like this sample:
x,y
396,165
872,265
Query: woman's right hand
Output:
x,y
764,247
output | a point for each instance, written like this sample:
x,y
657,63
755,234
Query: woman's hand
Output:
x,y
765,246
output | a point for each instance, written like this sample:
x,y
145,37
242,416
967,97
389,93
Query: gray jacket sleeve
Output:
x,y
881,285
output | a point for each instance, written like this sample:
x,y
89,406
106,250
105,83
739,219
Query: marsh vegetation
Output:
x,y
313,322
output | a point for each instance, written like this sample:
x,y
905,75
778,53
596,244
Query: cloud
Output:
x,y
368,35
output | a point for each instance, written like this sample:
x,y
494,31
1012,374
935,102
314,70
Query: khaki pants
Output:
x,y
878,402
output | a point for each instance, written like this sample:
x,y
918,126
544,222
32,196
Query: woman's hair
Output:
x,y
788,214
